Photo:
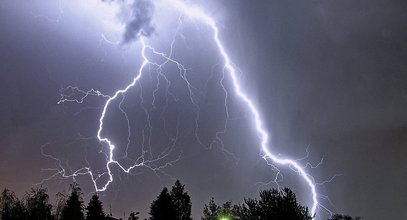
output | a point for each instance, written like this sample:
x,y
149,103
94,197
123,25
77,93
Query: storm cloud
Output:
x,y
140,23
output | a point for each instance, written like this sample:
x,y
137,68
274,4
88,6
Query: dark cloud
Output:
x,y
138,19
142,12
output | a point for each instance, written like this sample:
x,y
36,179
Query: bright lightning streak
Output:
x,y
77,95
199,15
106,140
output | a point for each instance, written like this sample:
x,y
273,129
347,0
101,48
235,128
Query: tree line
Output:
x,y
170,204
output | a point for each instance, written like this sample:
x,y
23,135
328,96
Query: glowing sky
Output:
x,y
327,76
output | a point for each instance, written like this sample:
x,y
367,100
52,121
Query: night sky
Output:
x,y
328,77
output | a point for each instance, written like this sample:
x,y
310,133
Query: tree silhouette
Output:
x,y
94,210
249,210
134,216
274,204
7,201
212,211
60,199
343,217
19,211
169,205
10,207
37,204
163,208
181,201
172,205
73,209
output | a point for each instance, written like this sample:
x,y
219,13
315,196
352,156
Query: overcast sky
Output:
x,y
329,77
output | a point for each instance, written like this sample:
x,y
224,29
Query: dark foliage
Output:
x,y
169,205
134,216
343,217
181,201
272,204
60,199
163,208
94,210
37,205
212,211
10,207
73,209
172,205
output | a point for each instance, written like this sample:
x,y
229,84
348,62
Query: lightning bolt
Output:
x,y
74,94
196,13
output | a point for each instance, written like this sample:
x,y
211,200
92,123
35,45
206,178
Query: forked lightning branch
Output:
x,y
200,17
